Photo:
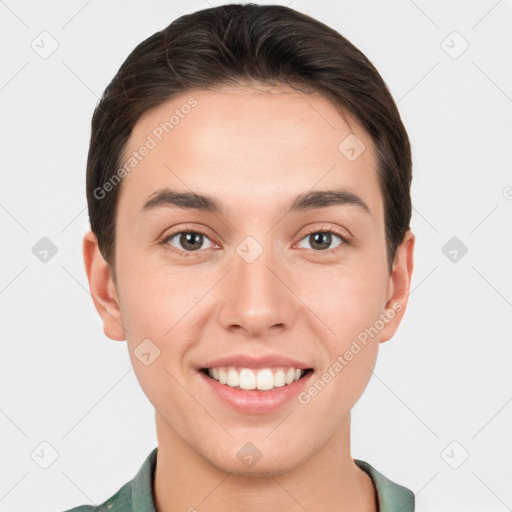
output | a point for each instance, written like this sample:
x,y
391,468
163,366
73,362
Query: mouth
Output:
x,y
261,379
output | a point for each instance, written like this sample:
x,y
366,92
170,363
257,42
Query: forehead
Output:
x,y
240,142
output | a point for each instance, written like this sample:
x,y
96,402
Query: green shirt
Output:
x,y
137,496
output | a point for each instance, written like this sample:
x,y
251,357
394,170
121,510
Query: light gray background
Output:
x,y
442,387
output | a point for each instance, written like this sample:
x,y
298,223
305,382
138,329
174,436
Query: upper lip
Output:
x,y
247,361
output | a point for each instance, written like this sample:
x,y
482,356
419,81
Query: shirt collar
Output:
x,y
391,497
142,485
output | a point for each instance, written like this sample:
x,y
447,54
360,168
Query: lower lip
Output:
x,y
255,401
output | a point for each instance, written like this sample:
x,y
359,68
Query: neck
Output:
x,y
330,480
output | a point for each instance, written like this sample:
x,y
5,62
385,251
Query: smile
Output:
x,y
263,379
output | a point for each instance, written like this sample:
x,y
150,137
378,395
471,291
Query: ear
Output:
x,y
398,288
103,291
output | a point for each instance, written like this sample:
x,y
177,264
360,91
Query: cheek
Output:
x,y
346,300
350,343
160,311
154,300
164,310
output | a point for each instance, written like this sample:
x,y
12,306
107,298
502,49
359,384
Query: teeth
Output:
x,y
247,379
263,379
233,378
279,379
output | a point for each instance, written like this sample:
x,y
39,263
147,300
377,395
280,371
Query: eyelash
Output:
x,y
322,229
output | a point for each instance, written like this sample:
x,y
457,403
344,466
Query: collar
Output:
x,y
391,497
137,495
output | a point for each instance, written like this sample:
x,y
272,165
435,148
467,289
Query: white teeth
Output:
x,y
279,379
247,379
290,374
233,378
263,379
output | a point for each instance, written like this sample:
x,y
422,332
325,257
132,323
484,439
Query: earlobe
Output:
x,y
102,288
400,282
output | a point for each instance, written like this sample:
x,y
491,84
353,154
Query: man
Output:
x,y
248,186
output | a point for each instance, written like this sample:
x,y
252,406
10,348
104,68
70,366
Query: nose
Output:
x,y
257,297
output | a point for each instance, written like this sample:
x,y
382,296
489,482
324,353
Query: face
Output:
x,y
268,270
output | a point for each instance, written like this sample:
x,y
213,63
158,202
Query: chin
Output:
x,y
251,462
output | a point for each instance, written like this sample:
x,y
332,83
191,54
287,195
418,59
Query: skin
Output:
x,y
255,152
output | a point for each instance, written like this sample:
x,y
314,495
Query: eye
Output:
x,y
191,241
320,240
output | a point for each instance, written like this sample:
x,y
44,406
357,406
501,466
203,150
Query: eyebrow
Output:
x,y
307,201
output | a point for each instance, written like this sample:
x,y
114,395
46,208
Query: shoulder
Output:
x,y
391,495
135,494
120,502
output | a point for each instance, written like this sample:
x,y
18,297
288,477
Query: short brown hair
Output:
x,y
234,44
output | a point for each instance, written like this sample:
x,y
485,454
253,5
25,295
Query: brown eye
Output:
x,y
322,240
188,241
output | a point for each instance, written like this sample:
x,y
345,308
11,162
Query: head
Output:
x,y
247,115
